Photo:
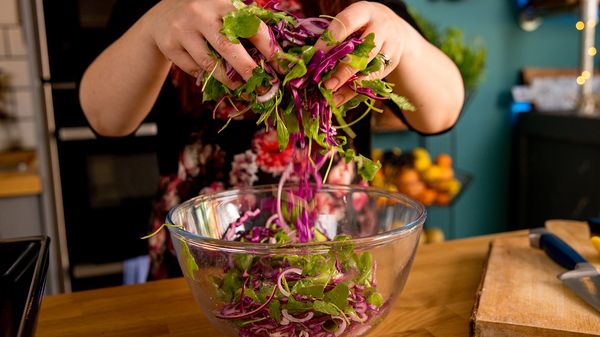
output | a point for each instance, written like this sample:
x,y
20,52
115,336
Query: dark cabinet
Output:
x,y
556,169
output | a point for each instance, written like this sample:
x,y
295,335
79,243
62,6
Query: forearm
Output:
x,y
430,81
120,87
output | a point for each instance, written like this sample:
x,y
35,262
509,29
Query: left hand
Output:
x,y
390,32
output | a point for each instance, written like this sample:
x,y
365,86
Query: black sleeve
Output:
x,y
124,14
400,8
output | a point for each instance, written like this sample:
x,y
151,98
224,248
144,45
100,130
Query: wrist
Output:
x,y
145,33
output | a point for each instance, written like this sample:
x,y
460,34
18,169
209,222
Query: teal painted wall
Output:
x,y
483,132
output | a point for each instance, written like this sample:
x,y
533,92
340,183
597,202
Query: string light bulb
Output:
x,y
592,51
586,74
580,80
580,25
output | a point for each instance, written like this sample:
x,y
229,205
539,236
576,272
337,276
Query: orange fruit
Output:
x,y
407,176
428,196
444,160
413,189
446,173
454,187
442,199
432,174
422,158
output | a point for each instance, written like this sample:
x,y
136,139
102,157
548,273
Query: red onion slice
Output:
x,y
342,326
291,318
269,94
249,313
282,275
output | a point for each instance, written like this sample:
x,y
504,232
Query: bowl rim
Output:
x,y
297,248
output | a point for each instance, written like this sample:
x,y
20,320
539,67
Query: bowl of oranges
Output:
x,y
433,181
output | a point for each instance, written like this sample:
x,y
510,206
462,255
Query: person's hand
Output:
x,y
390,40
181,29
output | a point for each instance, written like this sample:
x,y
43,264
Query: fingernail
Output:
x,y
332,83
338,99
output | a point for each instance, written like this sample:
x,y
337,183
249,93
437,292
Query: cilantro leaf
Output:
x,y
239,24
402,102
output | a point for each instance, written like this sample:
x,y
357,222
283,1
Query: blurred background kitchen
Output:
x,y
522,151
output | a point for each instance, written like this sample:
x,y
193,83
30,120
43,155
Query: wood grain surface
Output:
x,y
15,182
522,296
437,301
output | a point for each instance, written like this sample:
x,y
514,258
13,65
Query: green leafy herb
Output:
x,y
213,90
375,299
243,261
275,310
240,24
295,307
328,38
259,79
191,267
366,167
283,136
244,21
326,307
359,58
338,296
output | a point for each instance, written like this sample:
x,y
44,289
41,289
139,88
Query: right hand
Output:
x,y
181,29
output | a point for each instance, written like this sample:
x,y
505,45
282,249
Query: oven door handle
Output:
x,y
76,133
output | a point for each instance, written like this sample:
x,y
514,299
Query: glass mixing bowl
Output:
x,y
339,287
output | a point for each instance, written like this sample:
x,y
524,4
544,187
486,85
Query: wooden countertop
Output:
x,y
436,301
16,181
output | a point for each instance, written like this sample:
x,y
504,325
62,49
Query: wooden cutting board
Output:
x,y
520,294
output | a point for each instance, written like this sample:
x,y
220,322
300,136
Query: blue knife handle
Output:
x,y
560,251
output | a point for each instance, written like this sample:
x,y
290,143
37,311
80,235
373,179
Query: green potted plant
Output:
x,y
469,56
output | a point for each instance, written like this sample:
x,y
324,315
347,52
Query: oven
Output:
x,y
104,187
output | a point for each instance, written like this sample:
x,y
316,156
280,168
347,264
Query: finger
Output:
x,y
265,42
181,58
346,92
345,71
234,53
348,21
197,48
343,95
